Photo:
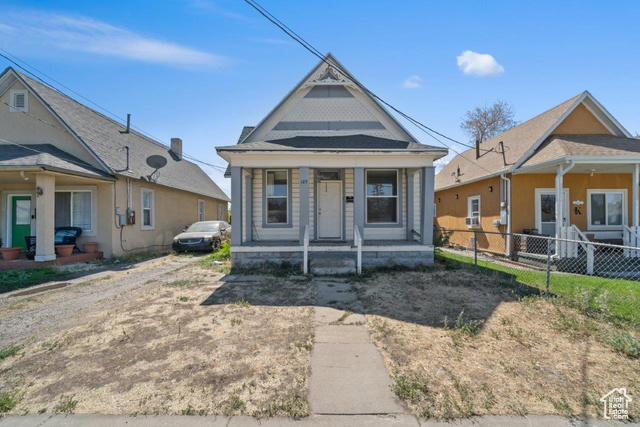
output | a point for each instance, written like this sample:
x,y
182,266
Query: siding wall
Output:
x,y
348,192
417,191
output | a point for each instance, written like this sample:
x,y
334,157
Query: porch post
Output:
x,y
426,200
636,205
559,204
358,200
236,206
248,212
410,201
304,201
45,214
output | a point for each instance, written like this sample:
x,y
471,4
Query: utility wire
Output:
x,y
426,129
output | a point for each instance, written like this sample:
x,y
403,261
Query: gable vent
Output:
x,y
19,100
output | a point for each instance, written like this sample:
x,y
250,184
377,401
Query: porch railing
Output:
x,y
357,241
569,239
631,237
305,260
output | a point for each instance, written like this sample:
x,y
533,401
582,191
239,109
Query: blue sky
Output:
x,y
201,69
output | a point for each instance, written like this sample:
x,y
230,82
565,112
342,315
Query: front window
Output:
x,y
606,208
382,196
148,220
277,195
74,209
200,210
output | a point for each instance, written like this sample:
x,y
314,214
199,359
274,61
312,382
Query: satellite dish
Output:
x,y
156,161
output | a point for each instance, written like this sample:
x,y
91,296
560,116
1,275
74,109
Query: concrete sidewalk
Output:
x,y
347,371
314,420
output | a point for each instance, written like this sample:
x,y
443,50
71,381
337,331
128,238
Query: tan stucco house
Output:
x,y
329,171
572,172
64,164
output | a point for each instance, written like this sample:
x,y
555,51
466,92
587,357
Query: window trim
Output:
x,y
221,211
606,191
399,210
152,216
470,200
289,223
201,202
94,205
12,94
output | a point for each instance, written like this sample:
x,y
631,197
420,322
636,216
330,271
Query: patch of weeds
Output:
x,y
562,406
624,343
489,397
66,405
303,345
183,299
51,345
233,405
411,388
221,255
17,279
185,283
509,369
189,410
463,328
7,402
342,318
293,406
9,351
465,407
518,334
382,328
517,408
236,321
241,303
573,325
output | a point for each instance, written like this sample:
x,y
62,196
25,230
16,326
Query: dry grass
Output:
x,y
507,353
192,345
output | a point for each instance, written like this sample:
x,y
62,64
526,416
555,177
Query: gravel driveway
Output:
x,y
38,311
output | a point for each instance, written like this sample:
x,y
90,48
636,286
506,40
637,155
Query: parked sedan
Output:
x,y
202,236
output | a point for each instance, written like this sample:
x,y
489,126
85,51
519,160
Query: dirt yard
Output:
x,y
189,345
457,344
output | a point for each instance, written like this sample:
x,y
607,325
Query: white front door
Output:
x,y
329,210
546,211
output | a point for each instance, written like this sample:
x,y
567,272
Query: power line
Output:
x,y
192,158
308,46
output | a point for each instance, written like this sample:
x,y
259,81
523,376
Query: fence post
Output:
x,y
548,267
475,248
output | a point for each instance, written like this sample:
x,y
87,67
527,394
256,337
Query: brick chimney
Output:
x,y
176,147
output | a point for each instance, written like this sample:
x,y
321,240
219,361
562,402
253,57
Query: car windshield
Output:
x,y
200,227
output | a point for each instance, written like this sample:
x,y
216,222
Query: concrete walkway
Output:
x,y
314,420
347,372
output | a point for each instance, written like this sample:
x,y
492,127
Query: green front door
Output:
x,y
20,220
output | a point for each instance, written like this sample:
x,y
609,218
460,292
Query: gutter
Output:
x,y
560,203
508,208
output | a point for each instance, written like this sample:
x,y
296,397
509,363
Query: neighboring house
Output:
x,y
64,164
329,162
572,171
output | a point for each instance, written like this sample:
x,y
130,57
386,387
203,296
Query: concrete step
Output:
x,y
332,266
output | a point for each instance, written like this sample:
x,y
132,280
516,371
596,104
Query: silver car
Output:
x,y
202,236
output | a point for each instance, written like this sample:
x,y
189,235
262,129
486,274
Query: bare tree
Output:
x,y
483,123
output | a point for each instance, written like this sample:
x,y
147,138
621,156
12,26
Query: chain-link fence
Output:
x,y
599,276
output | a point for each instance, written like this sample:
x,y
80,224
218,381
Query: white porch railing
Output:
x,y
568,248
305,260
357,241
631,237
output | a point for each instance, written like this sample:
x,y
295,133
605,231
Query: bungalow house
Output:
x,y
572,171
64,164
330,171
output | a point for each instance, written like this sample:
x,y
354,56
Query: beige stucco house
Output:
x,y
329,172
64,164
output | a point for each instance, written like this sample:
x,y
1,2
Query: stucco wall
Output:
x,y
20,128
581,121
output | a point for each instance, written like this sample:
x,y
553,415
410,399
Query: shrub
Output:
x,y
624,343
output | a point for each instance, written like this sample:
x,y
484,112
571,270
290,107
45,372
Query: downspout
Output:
x,y
508,208
560,203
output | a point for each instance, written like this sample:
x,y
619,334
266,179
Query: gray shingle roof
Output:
x,y
557,146
517,141
46,156
245,132
345,142
102,136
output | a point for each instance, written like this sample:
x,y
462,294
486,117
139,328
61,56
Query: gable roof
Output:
x,y
558,146
46,156
102,137
520,143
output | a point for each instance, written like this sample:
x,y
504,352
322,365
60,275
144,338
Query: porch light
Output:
x,y
39,191
592,171
438,199
456,196
491,189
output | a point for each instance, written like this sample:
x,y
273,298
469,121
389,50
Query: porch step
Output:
x,y
332,266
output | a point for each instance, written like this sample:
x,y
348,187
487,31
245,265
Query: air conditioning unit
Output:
x,y
472,221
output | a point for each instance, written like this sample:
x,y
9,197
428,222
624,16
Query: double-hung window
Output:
x,y
148,209
277,196
473,211
200,210
606,208
382,196
75,208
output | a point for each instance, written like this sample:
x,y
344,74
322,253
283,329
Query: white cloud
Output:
x,y
270,41
206,6
84,34
480,64
412,82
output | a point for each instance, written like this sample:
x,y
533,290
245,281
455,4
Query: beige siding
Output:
x,y
279,233
348,192
416,204
392,233
312,204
